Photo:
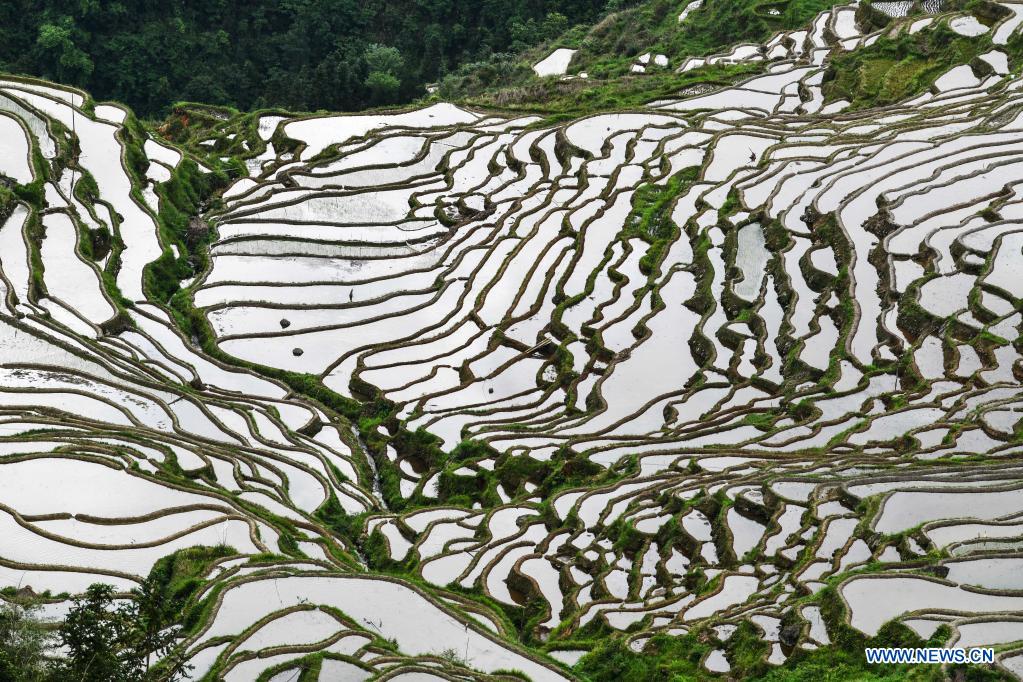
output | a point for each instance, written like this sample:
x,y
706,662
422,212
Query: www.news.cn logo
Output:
x,y
934,655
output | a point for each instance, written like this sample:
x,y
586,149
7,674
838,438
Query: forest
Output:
x,y
298,54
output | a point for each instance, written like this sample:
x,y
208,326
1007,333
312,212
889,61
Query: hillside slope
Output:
x,y
722,384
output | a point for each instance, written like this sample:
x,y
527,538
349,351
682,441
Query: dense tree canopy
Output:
x,y
299,54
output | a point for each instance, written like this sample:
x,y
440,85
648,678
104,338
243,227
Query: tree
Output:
x,y
107,640
554,24
383,87
383,59
269,52
23,643
70,64
383,64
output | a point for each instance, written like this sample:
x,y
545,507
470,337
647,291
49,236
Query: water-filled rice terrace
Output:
x,y
456,394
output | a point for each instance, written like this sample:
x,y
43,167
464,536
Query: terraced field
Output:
x,y
456,393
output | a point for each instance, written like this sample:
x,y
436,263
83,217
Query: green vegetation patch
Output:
x,y
894,69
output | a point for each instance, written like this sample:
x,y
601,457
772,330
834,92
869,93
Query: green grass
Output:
x,y
608,49
564,100
667,658
894,69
